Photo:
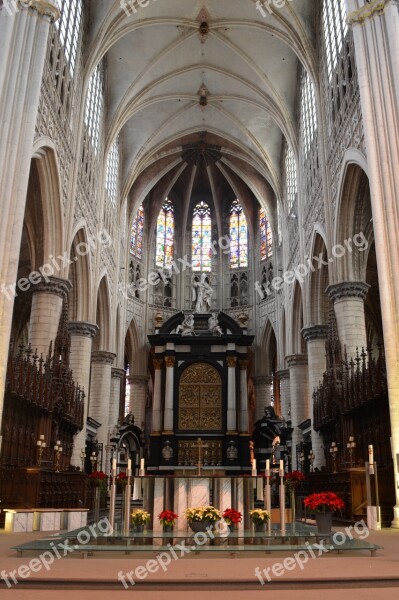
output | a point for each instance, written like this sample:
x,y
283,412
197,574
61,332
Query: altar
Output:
x,y
200,363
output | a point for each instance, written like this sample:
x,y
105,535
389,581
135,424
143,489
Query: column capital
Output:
x,y
82,329
170,361
315,332
347,289
283,374
117,373
53,285
243,364
295,360
262,380
231,361
102,357
158,363
138,379
42,8
373,8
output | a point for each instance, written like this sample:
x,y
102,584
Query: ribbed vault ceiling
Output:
x,y
244,65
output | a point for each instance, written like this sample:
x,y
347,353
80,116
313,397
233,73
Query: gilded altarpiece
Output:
x,y
200,399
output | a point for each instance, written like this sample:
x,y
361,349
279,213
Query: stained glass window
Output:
x,y
165,235
266,236
94,106
308,113
68,26
238,237
335,29
201,248
136,239
112,175
290,178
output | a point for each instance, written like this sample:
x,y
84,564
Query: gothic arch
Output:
x,y
103,316
353,218
318,305
268,350
297,318
45,163
80,277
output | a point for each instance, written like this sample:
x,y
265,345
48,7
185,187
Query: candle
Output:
x,y
129,464
351,439
43,444
281,465
114,464
41,437
254,470
267,472
333,444
58,442
38,443
60,448
142,467
371,455
56,447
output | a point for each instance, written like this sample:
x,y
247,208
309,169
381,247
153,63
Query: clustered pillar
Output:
x,y
82,334
100,392
300,405
316,337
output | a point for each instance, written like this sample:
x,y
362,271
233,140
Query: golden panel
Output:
x,y
200,398
200,372
211,453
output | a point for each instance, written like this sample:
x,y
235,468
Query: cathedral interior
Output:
x,y
199,243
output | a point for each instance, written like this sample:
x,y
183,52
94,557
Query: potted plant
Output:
x,y
323,505
232,517
98,479
200,518
259,518
121,481
292,481
139,518
167,518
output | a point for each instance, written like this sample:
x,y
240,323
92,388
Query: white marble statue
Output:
x,y
202,294
187,327
213,325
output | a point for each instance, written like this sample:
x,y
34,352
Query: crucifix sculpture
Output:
x,y
200,446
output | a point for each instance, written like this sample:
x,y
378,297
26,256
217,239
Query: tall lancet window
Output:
x,y
266,236
165,235
136,238
201,242
68,26
335,29
238,237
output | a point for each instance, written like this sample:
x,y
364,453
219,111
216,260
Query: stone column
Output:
x,y
138,396
117,375
47,299
348,298
300,405
23,35
100,394
243,422
376,38
168,413
316,337
231,395
82,334
263,394
157,398
285,393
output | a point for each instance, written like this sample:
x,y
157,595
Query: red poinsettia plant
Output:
x,y
324,502
98,479
294,479
121,479
167,517
232,516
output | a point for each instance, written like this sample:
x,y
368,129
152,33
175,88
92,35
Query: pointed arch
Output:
x,y
319,304
297,318
103,316
80,274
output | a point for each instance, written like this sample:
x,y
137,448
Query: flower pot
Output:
x,y
260,527
324,522
137,528
197,526
167,528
